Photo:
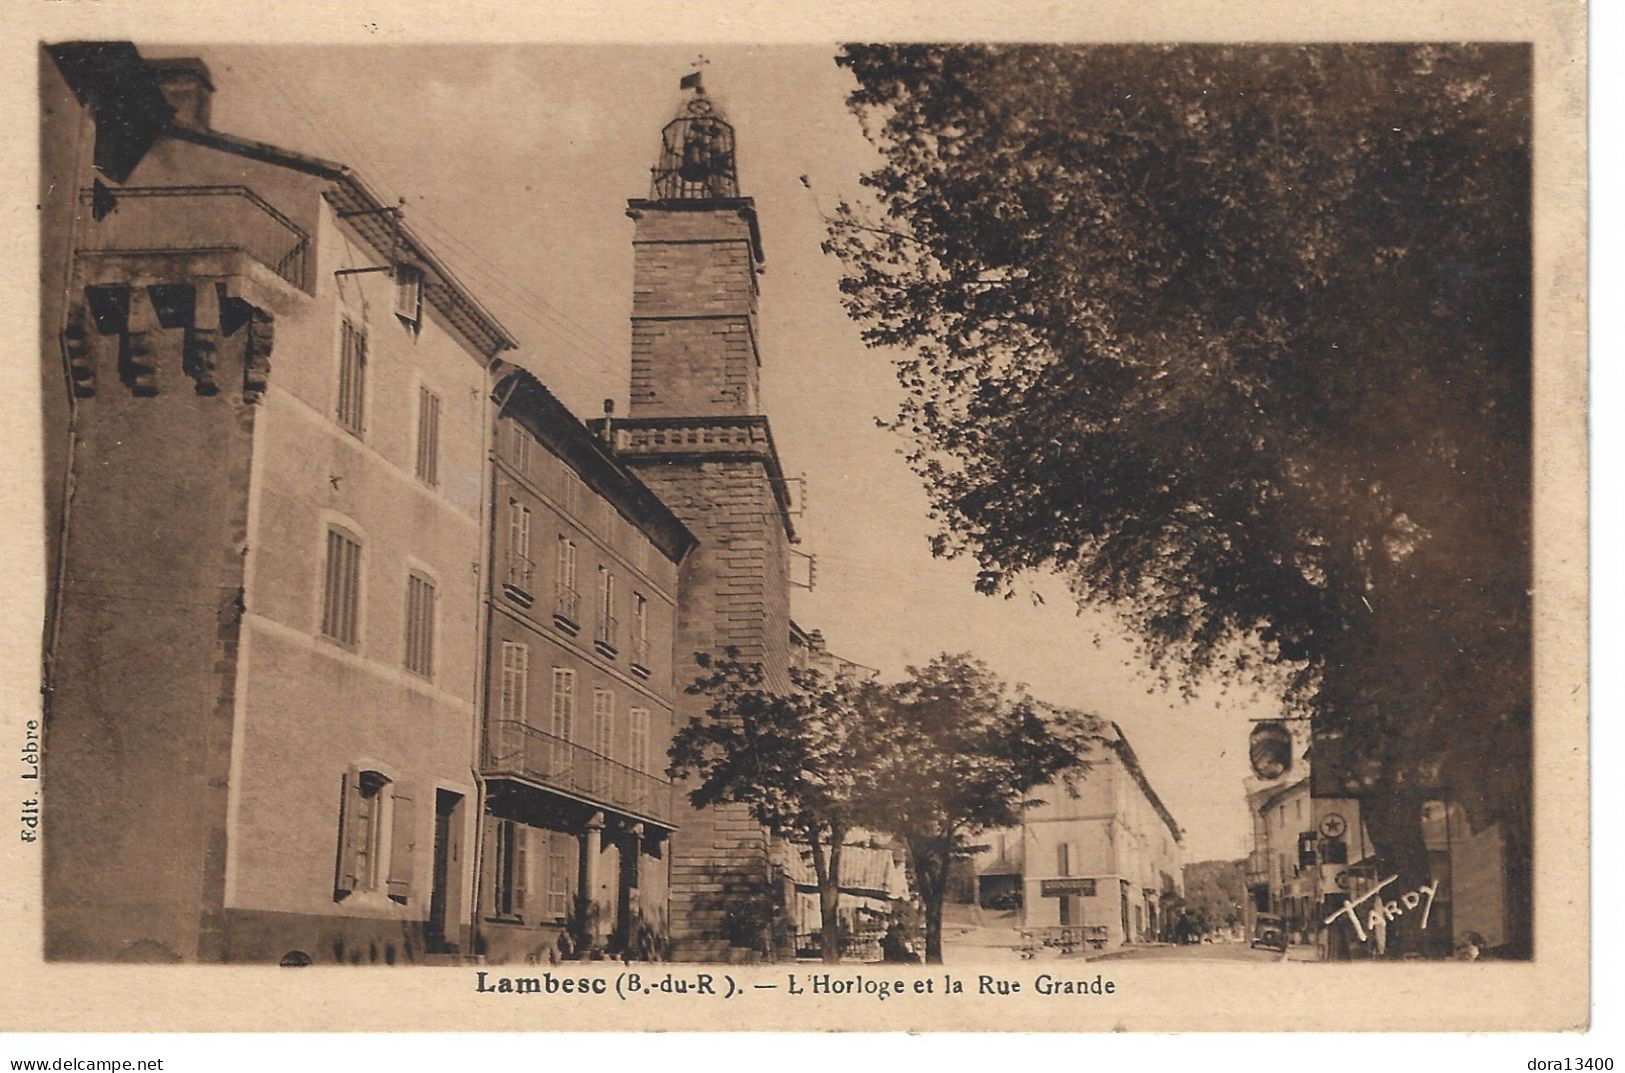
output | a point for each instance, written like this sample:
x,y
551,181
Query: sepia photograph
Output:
x,y
900,533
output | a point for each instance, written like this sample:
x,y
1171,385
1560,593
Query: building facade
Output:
x,y
581,617
265,592
1106,862
696,435
1309,855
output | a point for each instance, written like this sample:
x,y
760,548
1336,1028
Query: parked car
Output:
x,y
1269,932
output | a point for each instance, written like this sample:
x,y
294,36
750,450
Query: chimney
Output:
x,y
187,87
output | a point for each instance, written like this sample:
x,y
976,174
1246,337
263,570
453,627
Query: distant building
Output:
x,y
808,649
1308,856
1106,862
266,432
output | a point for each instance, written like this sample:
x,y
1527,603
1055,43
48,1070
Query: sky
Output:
x,y
516,163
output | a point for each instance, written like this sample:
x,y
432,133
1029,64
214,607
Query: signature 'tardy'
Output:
x,y
1383,911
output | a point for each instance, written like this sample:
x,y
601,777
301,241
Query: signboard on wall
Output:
x,y
1066,885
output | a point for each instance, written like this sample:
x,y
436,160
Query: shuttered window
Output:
x,y
640,629
420,625
561,754
572,491
341,588
564,703
511,868
519,562
352,377
564,581
515,681
607,624
520,440
638,738
603,738
377,836
428,437
560,869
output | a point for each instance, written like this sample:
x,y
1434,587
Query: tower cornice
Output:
x,y
745,207
723,438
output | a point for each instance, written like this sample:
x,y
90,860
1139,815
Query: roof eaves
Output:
x,y
443,289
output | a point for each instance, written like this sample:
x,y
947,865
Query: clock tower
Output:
x,y
696,435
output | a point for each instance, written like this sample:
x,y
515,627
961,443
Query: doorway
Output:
x,y
447,851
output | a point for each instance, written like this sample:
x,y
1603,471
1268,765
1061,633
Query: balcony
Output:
x,y
567,611
640,657
1258,868
519,751
516,583
608,632
159,220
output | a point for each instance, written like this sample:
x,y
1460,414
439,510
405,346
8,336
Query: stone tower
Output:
x,y
696,435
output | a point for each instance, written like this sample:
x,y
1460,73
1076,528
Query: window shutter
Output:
x,y
402,843
352,833
521,868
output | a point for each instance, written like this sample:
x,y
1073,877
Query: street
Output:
x,y
972,934
1234,951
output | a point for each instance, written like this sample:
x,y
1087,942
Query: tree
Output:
x,y
1216,892
1236,340
801,761
962,750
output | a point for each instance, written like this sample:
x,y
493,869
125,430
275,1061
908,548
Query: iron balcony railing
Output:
x,y
519,571
608,631
517,749
1258,866
569,604
198,219
640,651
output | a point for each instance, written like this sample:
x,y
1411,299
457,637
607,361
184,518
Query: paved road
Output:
x,y
1203,952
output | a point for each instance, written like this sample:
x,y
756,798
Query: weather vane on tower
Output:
x,y
697,148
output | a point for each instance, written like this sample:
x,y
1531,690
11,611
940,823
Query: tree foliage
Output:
x,y
802,761
1237,340
963,750
1215,893
933,760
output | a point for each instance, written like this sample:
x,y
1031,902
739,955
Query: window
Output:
x,y
420,625
428,437
509,869
559,870
376,836
520,452
640,629
603,738
409,295
515,681
519,564
564,581
341,588
637,755
572,491
564,717
352,377
1063,859
606,608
